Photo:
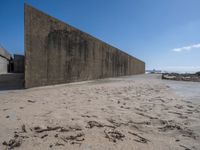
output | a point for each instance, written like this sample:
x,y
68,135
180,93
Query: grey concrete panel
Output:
x,y
4,53
56,52
4,60
3,65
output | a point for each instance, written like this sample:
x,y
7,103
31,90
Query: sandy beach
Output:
x,y
128,113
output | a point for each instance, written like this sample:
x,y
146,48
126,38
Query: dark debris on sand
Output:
x,y
114,135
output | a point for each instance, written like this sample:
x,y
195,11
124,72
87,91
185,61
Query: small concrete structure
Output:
x,y
56,52
5,58
18,62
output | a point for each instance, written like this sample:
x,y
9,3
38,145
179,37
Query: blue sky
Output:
x,y
163,33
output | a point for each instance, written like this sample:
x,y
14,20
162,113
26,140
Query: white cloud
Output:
x,y
186,48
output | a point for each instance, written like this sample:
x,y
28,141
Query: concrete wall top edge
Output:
x,y
89,35
4,53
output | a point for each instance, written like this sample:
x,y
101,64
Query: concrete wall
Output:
x,y
3,65
59,53
4,53
4,60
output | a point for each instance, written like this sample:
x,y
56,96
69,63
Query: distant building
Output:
x,y
154,71
5,59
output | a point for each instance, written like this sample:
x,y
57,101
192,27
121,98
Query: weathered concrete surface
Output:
x,y
59,53
4,60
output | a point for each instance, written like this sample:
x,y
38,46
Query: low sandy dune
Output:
x,y
130,113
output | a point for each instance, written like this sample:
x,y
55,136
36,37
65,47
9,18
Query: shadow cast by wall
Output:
x,y
11,81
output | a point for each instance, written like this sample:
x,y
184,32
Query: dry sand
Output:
x,y
130,113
